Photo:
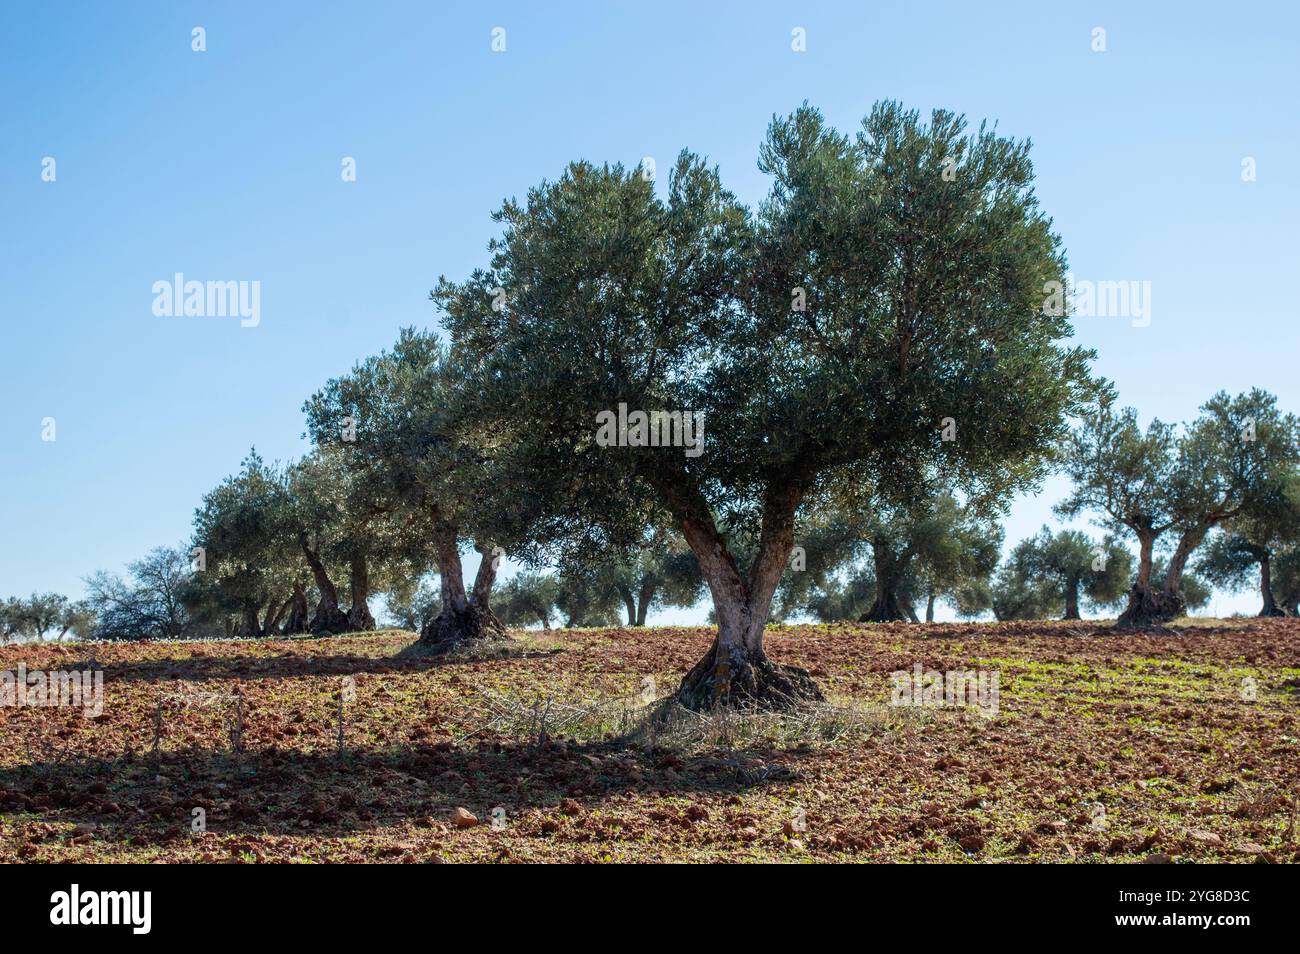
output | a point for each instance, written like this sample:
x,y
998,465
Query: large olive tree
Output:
x,y
880,316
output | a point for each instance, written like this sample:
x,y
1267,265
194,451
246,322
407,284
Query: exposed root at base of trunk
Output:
x,y
1148,608
329,622
886,609
360,619
751,682
452,630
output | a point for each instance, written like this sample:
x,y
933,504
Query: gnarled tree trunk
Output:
x,y
645,596
1270,607
485,578
297,621
461,619
736,671
252,627
274,613
328,618
929,608
1147,605
1071,599
359,617
887,608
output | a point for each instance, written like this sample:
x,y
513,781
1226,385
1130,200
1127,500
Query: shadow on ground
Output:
x,y
288,665
147,800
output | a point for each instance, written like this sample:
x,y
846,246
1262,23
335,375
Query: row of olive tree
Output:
x,y
271,541
868,364
44,616
871,337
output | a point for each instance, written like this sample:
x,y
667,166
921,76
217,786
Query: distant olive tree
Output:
x,y
1253,541
1074,569
43,616
1164,482
528,598
394,418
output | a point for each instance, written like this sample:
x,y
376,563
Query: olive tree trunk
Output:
x,y
462,618
1270,607
887,608
274,613
645,596
297,621
1149,605
1072,599
736,671
328,617
252,627
359,616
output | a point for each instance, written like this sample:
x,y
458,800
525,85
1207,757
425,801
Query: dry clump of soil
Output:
x,y
1105,746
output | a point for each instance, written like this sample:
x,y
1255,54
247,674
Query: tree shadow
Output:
x,y
150,801
288,665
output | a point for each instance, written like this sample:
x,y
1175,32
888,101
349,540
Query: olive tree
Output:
x,y
528,598
248,564
927,549
661,573
1074,568
1011,595
923,551
396,415
964,557
1234,462
881,315
1253,541
1121,473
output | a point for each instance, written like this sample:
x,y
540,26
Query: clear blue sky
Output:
x,y
226,165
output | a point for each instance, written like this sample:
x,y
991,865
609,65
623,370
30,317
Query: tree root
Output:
x,y
1148,608
450,629
753,682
